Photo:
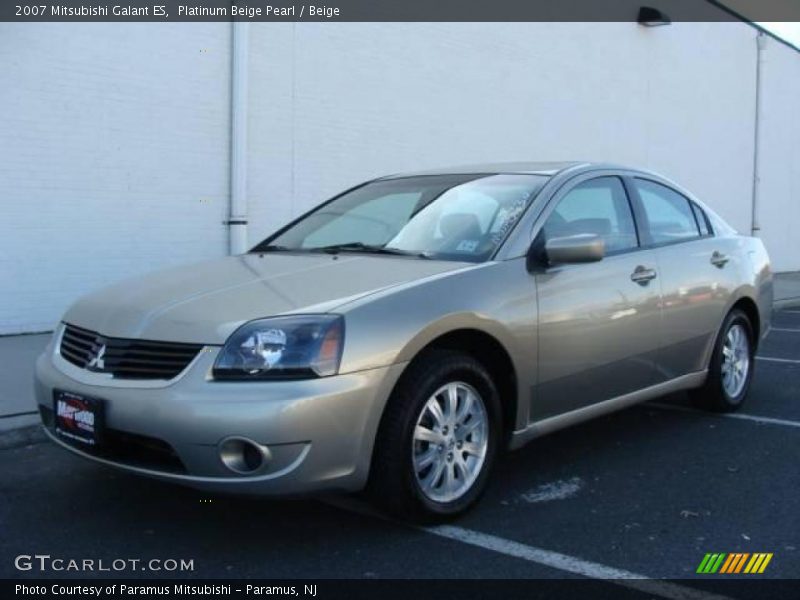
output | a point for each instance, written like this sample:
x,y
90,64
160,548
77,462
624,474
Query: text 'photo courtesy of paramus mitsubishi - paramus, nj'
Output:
x,y
402,335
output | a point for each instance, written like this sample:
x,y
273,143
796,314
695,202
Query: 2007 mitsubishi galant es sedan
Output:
x,y
401,335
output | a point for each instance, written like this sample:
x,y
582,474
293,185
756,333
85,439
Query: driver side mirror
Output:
x,y
573,249
581,248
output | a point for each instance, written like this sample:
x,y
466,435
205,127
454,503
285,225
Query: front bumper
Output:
x,y
320,432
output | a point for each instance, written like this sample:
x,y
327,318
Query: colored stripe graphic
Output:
x,y
756,558
741,563
765,563
703,563
736,563
733,560
711,563
717,564
758,563
729,564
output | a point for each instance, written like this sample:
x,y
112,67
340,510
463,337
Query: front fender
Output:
x,y
498,299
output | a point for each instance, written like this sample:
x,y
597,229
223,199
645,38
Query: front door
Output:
x,y
599,323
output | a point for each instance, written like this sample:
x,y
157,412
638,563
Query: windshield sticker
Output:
x,y
467,246
511,218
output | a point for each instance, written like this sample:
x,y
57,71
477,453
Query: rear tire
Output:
x,y
731,368
432,458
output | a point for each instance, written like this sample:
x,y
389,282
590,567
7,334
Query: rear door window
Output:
x,y
669,214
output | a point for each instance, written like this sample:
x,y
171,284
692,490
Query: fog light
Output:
x,y
243,456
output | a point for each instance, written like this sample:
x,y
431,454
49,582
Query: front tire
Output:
x,y
731,369
438,438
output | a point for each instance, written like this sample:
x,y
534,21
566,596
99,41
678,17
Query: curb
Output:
x,y
23,436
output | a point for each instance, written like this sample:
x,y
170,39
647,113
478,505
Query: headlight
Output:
x,y
293,347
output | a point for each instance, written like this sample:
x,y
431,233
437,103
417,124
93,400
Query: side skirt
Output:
x,y
551,424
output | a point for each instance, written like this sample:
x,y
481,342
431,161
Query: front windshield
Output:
x,y
445,217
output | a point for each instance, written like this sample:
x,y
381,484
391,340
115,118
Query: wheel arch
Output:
x,y
491,352
743,300
749,307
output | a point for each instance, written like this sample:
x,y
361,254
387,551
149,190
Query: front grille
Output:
x,y
125,359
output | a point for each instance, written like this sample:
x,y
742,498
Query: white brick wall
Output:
x,y
114,145
334,104
780,156
114,138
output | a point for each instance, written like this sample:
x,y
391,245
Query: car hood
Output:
x,y
205,302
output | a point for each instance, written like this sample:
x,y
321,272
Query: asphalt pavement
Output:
x,y
646,492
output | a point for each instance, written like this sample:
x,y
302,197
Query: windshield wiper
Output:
x,y
272,248
367,249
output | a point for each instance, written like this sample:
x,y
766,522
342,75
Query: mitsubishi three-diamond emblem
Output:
x,y
98,362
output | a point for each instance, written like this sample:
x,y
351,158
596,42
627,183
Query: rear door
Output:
x,y
698,273
599,323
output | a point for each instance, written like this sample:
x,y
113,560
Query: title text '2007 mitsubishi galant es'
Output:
x,y
401,335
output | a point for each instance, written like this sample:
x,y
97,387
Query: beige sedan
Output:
x,y
401,335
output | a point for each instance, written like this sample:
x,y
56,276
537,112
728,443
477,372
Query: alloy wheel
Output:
x,y
450,442
735,360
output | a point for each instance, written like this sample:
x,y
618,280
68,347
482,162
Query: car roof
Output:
x,y
534,168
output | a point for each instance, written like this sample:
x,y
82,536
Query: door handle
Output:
x,y
643,275
718,259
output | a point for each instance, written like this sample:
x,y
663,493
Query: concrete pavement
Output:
x,y
17,356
